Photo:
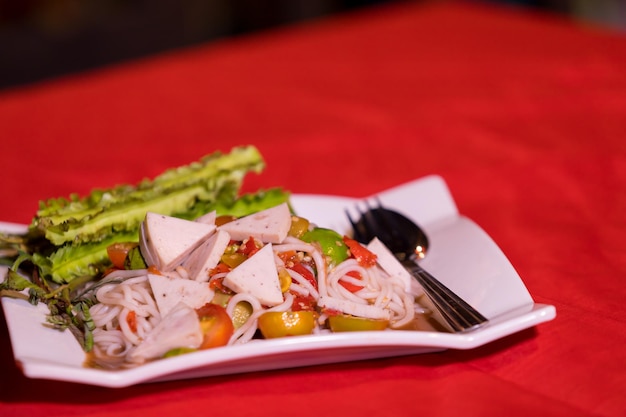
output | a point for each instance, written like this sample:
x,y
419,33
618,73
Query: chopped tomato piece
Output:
x,y
364,256
217,284
223,219
249,247
331,312
302,303
153,270
131,319
349,285
117,253
109,270
305,272
216,325
289,257
220,268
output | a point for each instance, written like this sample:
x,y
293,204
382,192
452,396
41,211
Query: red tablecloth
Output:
x,y
523,115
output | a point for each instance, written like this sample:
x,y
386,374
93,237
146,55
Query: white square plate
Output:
x,y
461,255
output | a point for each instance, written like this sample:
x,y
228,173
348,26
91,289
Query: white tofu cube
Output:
x,y
389,263
170,239
257,276
207,256
168,292
268,226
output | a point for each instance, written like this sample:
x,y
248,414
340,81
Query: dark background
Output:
x,y
41,39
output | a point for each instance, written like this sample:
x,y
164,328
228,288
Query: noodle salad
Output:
x,y
218,281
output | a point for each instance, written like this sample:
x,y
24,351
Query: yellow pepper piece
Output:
x,y
288,323
233,259
346,323
241,313
285,279
299,226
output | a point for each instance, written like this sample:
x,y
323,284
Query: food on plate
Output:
x,y
209,283
69,241
183,263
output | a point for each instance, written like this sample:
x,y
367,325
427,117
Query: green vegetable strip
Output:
x,y
127,216
73,261
58,210
251,203
79,230
123,208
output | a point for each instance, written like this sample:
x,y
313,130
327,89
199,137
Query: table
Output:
x,y
523,115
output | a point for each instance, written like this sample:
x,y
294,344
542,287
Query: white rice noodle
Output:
x,y
125,327
298,289
246,331
125,273
182,272
320,267
111,343
104,314
383,294
113,334
294,244
179,272
335,289
303,286
368,311
409,313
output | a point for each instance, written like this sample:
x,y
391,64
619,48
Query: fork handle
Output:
x,y
458,314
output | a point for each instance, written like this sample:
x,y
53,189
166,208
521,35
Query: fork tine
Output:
x,y
379,215
387,227
355,228
359,229
371,223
